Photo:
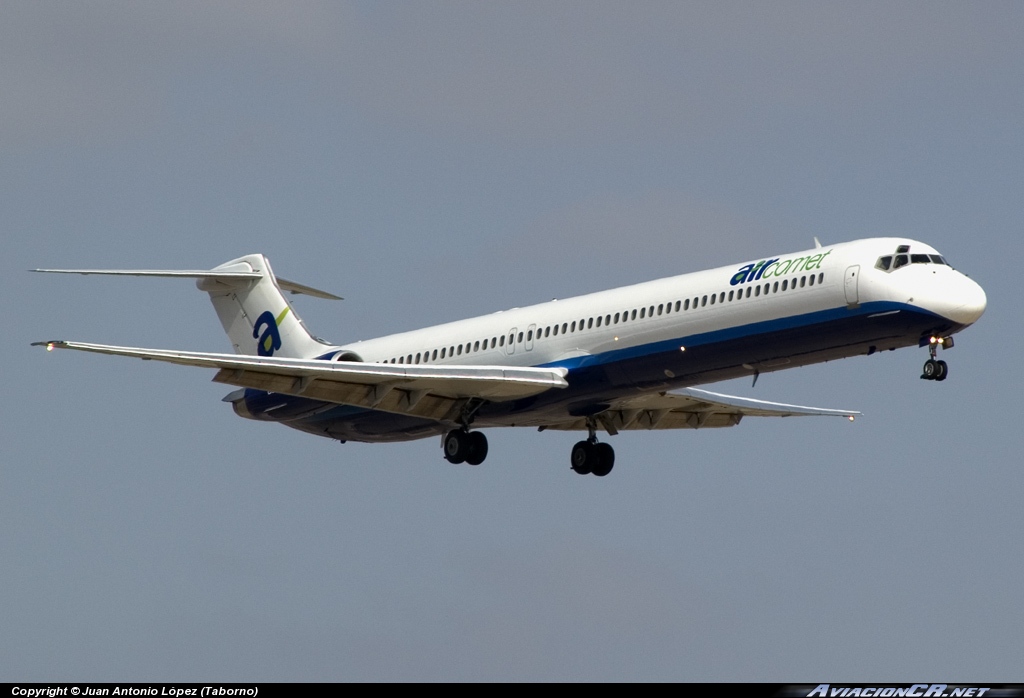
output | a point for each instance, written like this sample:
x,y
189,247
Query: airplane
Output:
x,y
615,360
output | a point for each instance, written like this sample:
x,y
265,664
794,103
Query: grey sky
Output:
x,y
432,161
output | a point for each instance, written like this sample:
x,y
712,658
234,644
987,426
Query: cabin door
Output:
x,y
850,284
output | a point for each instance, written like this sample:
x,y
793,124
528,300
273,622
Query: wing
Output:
x,y
691,409
432,392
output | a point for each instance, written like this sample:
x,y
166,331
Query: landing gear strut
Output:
x,y
461,446
590,457
934,369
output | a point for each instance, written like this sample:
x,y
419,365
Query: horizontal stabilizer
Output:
x,y
224,275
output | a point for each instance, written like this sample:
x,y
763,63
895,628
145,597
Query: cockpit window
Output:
x,y
901,259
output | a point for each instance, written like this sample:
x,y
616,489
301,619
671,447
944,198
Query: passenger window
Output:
x,y
616,320
442,352
713,298
686,304
520,337
476,346
564,326
785,283
810,280
598,320
703,301
590,324
607,320
803,281
529,336
650,311
643,312
661,307
730,296
632,315
433,355
757,290
459,349
678,305
821,278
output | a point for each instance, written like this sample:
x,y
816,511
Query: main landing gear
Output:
x,y
463,446
934,369
590,457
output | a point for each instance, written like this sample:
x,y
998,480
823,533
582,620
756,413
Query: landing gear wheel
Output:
x,y
943,371
930,370
583,458
456,446
465,447
592,458
477,448
605,459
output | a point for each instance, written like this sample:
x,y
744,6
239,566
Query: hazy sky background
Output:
x,y
433,161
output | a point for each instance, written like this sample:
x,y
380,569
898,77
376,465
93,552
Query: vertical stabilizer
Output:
x,y
257,317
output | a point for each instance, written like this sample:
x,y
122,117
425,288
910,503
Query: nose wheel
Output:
x,y
935,369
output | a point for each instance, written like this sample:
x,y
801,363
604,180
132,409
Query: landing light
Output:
x,y
682,348
49,347
851,418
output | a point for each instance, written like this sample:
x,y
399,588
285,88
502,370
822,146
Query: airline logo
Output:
x,y
270,341
773,267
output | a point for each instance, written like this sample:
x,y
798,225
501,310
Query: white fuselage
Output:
x,y
613,322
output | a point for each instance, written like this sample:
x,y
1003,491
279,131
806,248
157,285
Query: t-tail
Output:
x,y
250,303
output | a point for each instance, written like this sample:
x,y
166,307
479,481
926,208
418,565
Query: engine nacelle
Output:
x,y
347,355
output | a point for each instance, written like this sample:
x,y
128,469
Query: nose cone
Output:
x,y
966,301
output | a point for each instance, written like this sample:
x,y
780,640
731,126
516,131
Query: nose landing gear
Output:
x,y
934,369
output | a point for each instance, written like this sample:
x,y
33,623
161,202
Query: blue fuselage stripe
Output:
x,y
765,327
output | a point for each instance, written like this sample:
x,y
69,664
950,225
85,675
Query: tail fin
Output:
x,y
250,304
